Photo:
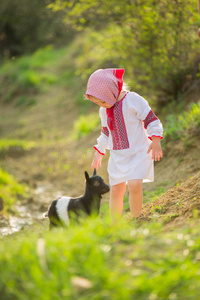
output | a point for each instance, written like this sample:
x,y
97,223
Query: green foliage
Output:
x,y
97,261
6,144
178,126
156,41
30,73
25,27
86,124
157,208
10,189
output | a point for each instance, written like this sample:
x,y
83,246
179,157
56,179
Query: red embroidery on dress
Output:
x,y
149,118
105,131
118,128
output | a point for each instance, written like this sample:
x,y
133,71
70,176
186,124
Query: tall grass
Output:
x,y
10,190
98,261
178,126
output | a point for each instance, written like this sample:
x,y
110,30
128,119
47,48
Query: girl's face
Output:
x,y
100,102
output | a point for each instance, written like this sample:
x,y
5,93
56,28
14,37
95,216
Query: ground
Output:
x,y
177,172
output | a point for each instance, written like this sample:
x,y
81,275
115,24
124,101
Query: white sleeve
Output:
x,y
143,112
102,141
155,129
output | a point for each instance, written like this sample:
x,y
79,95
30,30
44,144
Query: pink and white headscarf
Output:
x,y
105,84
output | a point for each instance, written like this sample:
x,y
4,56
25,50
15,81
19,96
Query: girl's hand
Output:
x,y
156,149
97,160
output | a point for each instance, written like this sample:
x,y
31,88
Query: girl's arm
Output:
x,y
102,141
151,123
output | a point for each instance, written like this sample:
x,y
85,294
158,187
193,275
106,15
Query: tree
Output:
x,y
156,40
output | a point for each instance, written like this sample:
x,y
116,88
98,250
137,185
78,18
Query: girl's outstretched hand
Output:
x,y
97,160
156,149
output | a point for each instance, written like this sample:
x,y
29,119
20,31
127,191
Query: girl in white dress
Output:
x,y
132,133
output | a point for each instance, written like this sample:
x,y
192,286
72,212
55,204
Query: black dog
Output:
x,y
65,208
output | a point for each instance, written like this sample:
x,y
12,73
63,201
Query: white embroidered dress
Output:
x,y
128,139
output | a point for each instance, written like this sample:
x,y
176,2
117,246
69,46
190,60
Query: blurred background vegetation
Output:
x,y
155,41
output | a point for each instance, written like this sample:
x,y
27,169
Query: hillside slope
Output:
x,y
177,205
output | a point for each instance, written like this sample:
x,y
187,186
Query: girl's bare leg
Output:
x,y
116,201
135,196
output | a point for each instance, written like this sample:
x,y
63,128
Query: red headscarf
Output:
x,y
105,84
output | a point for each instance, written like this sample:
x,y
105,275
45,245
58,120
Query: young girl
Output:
x,y
132,133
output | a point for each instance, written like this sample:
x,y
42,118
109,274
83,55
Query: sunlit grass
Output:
x,y
10,190
178,126
85,124
94,260
34,72
6,144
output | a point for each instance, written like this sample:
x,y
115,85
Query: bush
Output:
x,y
156,41
179,126
26,26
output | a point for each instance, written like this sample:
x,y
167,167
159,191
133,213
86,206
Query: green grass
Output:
x,y
33,73
179,126
6,144
30,72
98,261
85,124
10,190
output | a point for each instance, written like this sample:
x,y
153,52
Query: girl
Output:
x,y
132,133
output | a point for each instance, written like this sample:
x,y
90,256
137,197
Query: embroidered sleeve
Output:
x,y
149,118
105,131
143,112
102,144
153,125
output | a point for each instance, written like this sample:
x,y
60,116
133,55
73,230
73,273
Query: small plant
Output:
x,y
158,208
180,203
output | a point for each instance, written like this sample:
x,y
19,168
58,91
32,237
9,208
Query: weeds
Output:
x,y
158,208
179,203
178,126
10,190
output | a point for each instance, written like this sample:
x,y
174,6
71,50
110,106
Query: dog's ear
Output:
x,y
87,176
95,172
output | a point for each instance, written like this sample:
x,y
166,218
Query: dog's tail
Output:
x,y
45,215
